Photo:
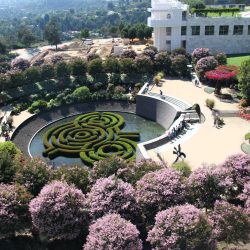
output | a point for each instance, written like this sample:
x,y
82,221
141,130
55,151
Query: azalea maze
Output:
x,y
92,137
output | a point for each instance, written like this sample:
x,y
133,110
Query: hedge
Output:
x,y
92,137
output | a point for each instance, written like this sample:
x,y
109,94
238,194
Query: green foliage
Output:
x,y
210,103
52,32
77,175
182,167
81,94
47,72
32,75
247,136
179,65
78,67
62,70
127,65
33,174
219,11
84,33
10,148
95,66
244,79
38,106
2,48
112,65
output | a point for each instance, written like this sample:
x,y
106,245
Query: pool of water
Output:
x,y
133,123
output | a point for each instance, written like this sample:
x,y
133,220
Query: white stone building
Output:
x,y
174,27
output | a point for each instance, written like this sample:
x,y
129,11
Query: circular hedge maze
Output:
x,y
92,137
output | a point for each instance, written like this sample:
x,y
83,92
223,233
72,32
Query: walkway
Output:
x,y
208,144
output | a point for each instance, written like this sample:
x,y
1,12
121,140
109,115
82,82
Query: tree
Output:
x,y
140,32
163,62
143,64
95,66
180,227
113,232
14,203
26,36
32,75
111,195
148,32
112,65
179,65
2,48
132,33
78,67
127,65
244,79
84,33
58,211
52,32
230,223
47,72
62,70
81,94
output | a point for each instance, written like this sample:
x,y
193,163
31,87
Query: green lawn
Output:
x,y
237,59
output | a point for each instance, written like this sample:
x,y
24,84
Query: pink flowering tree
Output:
x,y
199,53
113,232
58,212
112,195
230,223
180,227
233,174
245,196
203,187
205,64
19,64
14,213
159,190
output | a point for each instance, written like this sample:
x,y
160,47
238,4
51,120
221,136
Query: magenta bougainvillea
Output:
x,y
180,227
229,223
112,195
58,212
14,213
112,232
160,189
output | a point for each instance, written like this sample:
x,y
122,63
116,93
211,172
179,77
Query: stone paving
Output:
x,y
208,144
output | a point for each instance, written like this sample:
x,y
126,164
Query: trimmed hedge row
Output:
x,y
93,136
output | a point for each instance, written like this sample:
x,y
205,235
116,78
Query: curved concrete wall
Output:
x,y
155,109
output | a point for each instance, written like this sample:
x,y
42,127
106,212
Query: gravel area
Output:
x,y
27,129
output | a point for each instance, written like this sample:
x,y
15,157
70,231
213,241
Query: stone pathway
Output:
x,y
208,144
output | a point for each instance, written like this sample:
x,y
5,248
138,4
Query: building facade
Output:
x,y
174,27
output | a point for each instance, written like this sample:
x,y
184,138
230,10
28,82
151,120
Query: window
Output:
x,y
183,30
183,44
168,31
238,29
209,30
223,30
168,16
168,42
195,30
184,15
248,30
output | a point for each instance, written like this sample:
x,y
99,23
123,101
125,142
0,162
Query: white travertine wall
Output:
x,y
168,13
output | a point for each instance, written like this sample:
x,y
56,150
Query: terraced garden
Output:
x,y
92,136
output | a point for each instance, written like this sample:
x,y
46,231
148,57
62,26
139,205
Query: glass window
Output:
x,y
238,29
195,30
168,42
168,31
168,16
248,29
183,30
223,30
184,15
209,30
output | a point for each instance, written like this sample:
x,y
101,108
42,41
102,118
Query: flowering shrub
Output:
x,y
221,58
159,190
205,64
203,187
14,213
143,64
163,62
111,232
111,195
129,54
58,211
179,65
219,75
233,174
33,174
245,196
180,227
199,53
150,53
229,223
119,90
19,64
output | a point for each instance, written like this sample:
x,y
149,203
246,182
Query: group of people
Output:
x,y
177,129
